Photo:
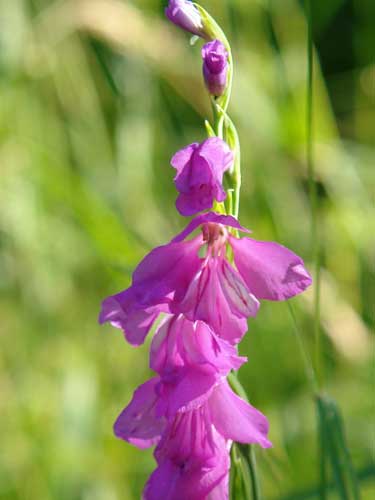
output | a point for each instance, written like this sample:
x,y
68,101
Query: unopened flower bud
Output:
x,y
184,14
215,67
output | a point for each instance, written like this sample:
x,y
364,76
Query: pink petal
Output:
x,y
270,270
218,154
165,269
221,490
180,343
183,156
204,300
240,300
190,204
187,392
193,459
120,312
190,437
138,423
173,481
237,420
195,173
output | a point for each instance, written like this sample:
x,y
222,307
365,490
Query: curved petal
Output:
x,y
188,391
196,201
204,300
196,172
189,436
181,159
237,420
226,220
194,458
119,310
180,343
221,490
195,480
164,270
203,347
138,423
218,154
271,271
200,169
241,302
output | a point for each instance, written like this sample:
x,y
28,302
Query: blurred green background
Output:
x,y
96,96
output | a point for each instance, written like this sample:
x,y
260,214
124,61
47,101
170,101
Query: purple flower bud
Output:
x,y
215,67
186,16
200,169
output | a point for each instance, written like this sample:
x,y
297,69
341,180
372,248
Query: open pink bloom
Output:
x,y
199,179
233,418
173,278
193,445
193,459
165,270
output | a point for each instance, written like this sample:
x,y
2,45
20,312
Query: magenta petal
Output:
x,y
120,312
138,423
240,300
193,458
165,269
180,160
188,204
184,14
204,300
163,482
217,153
180,343
226,220
215,67
186,393
195,173
237,420
221,490
190,436
270,270
193,481
205,347
199,178
164,273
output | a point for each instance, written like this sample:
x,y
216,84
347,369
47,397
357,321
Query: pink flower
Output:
x,y
180,343
163,271
200,169
173,278
190,359
193,445
193,459
215,67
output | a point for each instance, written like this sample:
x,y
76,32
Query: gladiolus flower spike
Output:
x,y
203,286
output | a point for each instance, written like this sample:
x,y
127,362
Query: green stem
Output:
x,y
254,475
309,368
313,191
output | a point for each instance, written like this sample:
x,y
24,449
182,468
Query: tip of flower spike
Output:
x,y
184,14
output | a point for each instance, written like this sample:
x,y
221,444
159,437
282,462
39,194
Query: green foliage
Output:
x,y
95,97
